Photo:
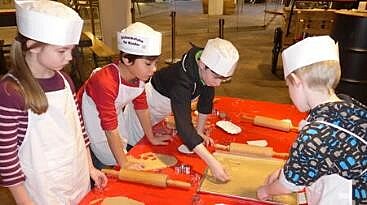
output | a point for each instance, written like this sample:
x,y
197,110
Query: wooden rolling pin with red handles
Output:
x,y
251,150
148,178
271,123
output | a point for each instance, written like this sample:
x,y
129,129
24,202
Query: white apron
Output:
x,y
159,108
99,143
53,154
332,189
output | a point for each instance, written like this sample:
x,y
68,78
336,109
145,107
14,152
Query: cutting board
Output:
x,y
247,174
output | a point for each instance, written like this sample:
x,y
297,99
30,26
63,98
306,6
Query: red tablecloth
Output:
x,y
234,108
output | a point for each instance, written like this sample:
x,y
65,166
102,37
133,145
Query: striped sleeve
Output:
x,y
86,138
13,126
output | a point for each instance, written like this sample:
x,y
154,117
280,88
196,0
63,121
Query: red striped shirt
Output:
x,y
14,122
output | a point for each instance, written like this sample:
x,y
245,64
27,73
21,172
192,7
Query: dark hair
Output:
x,y
132,57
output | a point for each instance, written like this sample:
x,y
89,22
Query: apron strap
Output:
x,y
13,77
66,82
347,131
183,62
184,68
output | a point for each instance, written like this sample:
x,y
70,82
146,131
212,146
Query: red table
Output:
x,y
234,108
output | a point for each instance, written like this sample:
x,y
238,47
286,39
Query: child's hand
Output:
x,y
272,177
160,139
98,177
208,141
218,171
133,165
262,193
272,187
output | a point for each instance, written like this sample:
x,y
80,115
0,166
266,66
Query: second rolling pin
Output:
x,y
250,149
154,179
283,125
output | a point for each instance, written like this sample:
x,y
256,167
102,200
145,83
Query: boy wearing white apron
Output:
x,y
44,157
109,89
172,89
328,159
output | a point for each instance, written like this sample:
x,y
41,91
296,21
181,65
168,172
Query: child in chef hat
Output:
x,y
172,89
106,93
328,158
44,153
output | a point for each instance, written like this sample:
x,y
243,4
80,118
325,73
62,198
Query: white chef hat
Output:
x,y
220,56
139,39
309,51
48,22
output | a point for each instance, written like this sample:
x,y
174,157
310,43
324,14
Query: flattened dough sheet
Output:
x,y
154,161
247,174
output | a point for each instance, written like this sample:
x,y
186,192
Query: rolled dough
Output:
x,y
247,174
154,161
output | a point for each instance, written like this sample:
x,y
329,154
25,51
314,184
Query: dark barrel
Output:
x,y
350,31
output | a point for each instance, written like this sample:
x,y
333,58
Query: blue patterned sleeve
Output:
x,y
307,161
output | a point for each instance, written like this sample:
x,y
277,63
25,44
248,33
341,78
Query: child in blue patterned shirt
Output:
x,y
328,158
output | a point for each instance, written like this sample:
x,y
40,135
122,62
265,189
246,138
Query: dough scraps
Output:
x,y
229,126
154,161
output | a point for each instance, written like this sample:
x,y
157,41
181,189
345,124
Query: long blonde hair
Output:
x,y
34,96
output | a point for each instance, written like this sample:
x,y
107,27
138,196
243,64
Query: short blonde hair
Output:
x,y
320,76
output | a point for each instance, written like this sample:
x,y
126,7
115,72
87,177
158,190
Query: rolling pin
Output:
x,y
271,123
148,178
250,149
